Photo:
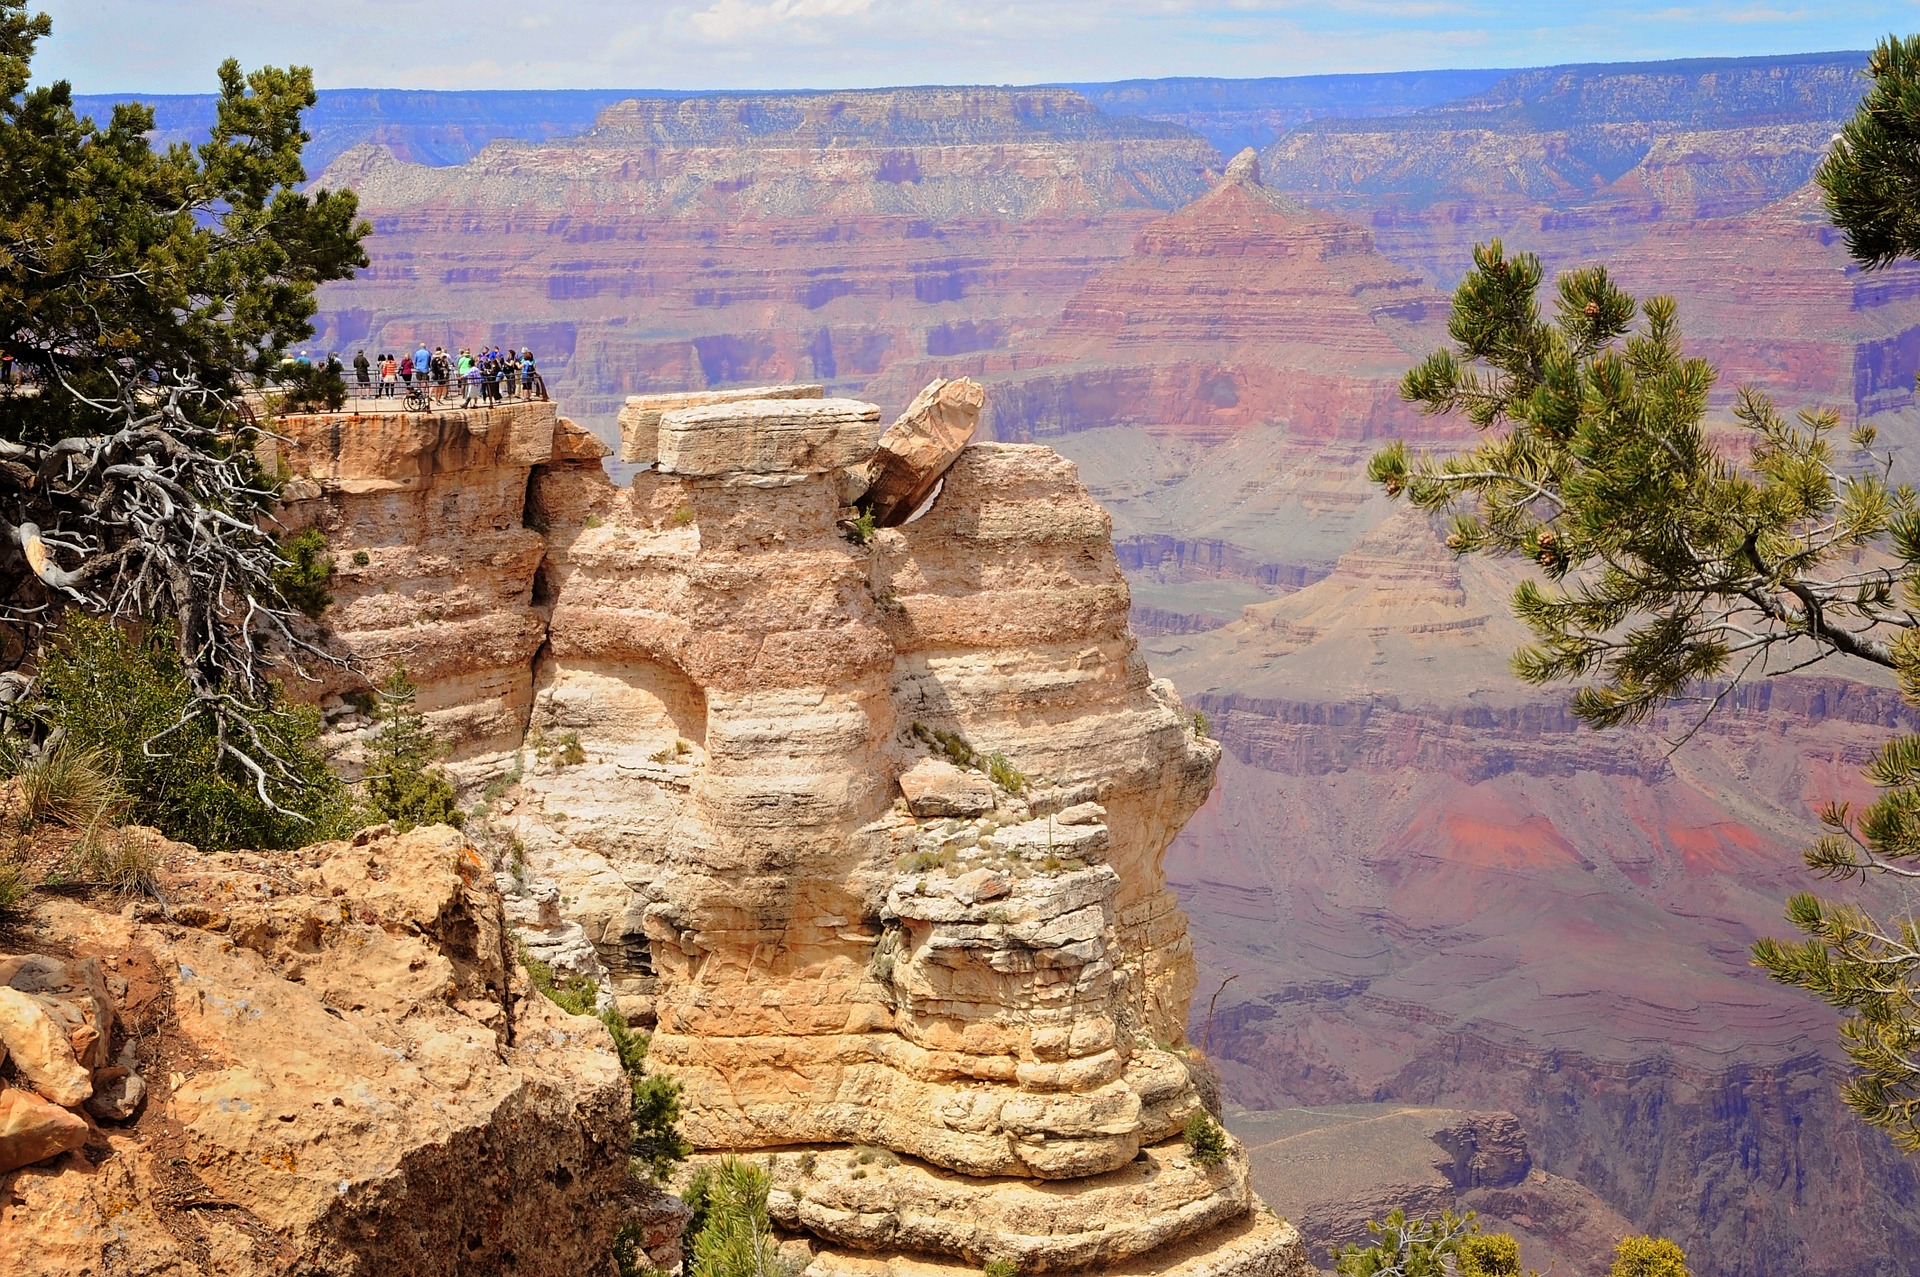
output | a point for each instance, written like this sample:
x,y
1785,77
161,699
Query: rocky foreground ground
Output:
x,y
326,1061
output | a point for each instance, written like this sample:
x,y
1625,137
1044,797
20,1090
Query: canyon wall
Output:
x,y
959,1028
1483,903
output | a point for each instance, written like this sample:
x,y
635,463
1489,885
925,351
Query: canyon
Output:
x,y
1402,838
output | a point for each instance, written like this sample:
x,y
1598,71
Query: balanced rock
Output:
x,y
32,1130
917,449
935,787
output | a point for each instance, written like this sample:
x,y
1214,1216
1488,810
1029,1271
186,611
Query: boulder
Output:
x,y
32,1130
42,1047
75,992
640,417
357,1067
917,449
935,787
572,442
768,436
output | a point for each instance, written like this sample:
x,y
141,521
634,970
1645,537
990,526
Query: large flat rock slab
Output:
x,y
640,417
768,436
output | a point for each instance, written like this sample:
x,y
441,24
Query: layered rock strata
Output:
x,y
992,1002
346,1073
434,562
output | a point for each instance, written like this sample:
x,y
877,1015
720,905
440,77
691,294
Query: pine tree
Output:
x,y
1673,569
1872,175
143,294
403,784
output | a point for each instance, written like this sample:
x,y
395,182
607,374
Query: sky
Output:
x,y
173,46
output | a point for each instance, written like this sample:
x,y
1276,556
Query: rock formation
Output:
x,y
325,1061
958,1032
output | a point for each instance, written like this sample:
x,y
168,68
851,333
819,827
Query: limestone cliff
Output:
x,y
960,1035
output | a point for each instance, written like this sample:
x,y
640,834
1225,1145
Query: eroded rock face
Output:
x,y
346,1066
711,803
433,560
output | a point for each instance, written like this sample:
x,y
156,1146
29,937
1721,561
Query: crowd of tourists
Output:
x,y
490,375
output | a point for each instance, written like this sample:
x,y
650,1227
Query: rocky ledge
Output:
x,y
865,822
326,1061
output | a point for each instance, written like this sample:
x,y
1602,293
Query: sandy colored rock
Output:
x,y
639,420
425,515
75,991
935,787
768,436
42,1048
33,1130
916,449
356,1070
573,442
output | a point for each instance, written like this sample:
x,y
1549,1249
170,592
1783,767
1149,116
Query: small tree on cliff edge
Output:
x,y
138,291
1674,564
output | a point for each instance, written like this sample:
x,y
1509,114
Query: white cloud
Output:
x,y
733,19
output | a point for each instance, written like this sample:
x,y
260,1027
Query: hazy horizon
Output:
x,y
109,46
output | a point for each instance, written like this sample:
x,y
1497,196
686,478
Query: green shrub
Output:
x,y
1489,1255
14,888
303,578
574,994
734,1236
1000,1268
1005,774
1407,1248
402,783
361,558
860,528
1648,1257
107,858
1205,1140
124,697
1201,725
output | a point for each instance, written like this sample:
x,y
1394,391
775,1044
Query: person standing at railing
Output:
x,y
360,370
389,376
422,363
406,372
437,369
510,372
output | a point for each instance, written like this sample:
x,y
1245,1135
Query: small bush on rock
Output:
x,y
14,888
68,786
1489,1255
1205,1140
1648,1257
1000,1268
308,569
